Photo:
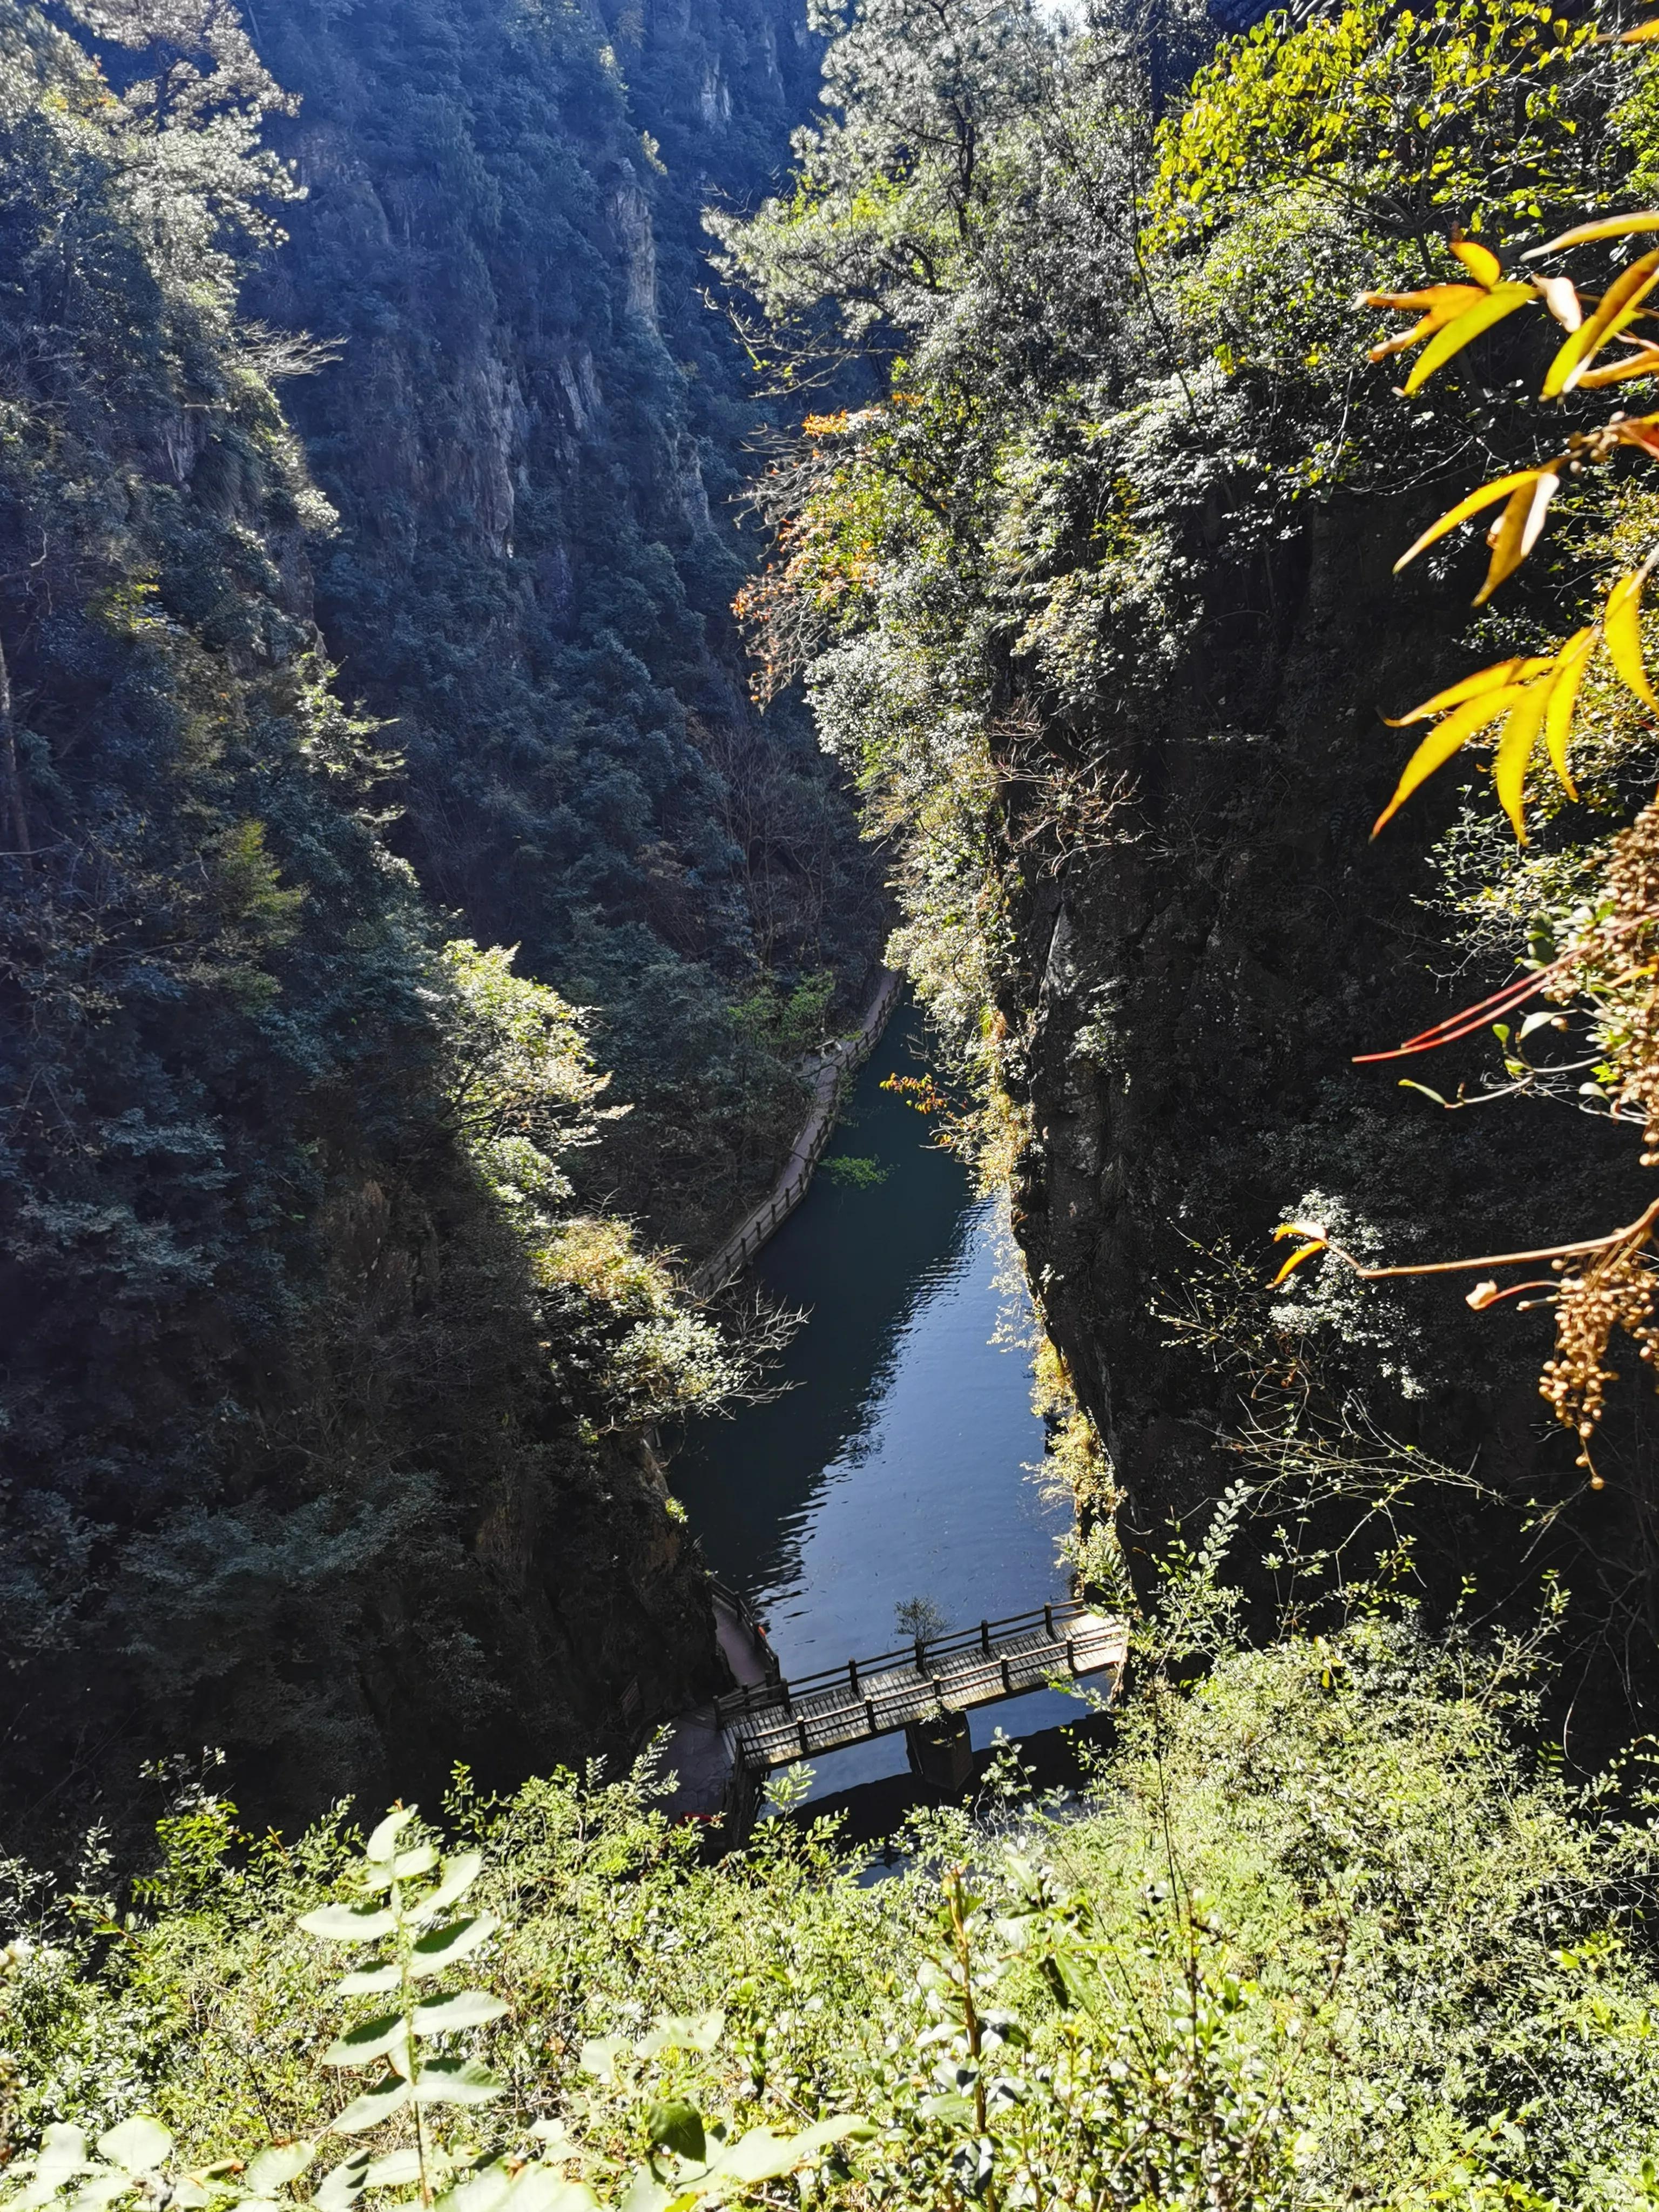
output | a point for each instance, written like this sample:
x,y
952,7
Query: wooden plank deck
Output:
x,y
833,1082
770,1724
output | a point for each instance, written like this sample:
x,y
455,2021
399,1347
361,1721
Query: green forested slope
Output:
x,y
322,1405
534,435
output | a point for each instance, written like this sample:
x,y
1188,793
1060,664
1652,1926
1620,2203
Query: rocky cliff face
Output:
x,y
289,1462
535,434
1188,999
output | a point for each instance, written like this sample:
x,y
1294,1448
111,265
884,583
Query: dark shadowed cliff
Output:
x,y
1186,1004
324,1393
1100,599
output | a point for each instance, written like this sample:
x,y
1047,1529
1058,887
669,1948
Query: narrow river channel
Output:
x,y
897,1468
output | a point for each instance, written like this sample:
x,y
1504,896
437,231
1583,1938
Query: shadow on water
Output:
x,y
896,1467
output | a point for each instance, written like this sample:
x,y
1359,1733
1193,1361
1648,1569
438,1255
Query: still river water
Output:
x,y
898,1466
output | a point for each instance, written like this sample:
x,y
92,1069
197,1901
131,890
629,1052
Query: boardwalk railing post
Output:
x,y
921,1656
870,1715
1071,1653
1007,1679
985,1638
853,1674
1048,1621
800,1730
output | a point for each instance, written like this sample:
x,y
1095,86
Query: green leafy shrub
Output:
x,y
421,1939
854,1172
1321,1929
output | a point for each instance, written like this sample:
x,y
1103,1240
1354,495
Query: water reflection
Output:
x,y
897,1469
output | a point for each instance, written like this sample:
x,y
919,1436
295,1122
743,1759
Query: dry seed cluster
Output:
x,y
1615,1292
1617,1289
1632,927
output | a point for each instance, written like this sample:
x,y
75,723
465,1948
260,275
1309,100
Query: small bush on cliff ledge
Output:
x,y
522,1093
1322,1931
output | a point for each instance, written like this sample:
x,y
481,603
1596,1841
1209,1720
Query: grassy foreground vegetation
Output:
x,y
1326,1929
1331,1923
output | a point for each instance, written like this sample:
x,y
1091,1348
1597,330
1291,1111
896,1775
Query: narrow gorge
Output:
x,y
467,746
560,559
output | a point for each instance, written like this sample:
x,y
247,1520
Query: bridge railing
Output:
x,y
923,1654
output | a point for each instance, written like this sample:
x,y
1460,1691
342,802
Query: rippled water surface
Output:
x,y
897,1467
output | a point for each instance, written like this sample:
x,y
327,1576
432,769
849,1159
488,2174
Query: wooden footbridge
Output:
x,y
923,1688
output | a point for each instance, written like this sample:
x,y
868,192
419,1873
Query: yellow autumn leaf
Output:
x,y
1482,264
1442,301
1470,687
1644,363
1488,495
1491,307
1570,664
1617,306
1586,234
1517,530
1444,740
1515,752
1622,626
1560,295
1639,33
1294,1261
1299,1229
1441,304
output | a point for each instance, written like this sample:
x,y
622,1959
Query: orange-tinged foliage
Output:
x,y
1621,627
840,504
1574,658
1482,264
1489,309
1614,311
1466,720
1442,305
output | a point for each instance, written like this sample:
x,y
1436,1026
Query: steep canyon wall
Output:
x,y
1189,998
299,1456
536,435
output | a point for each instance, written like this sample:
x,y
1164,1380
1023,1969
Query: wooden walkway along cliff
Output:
x,y
829,1095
